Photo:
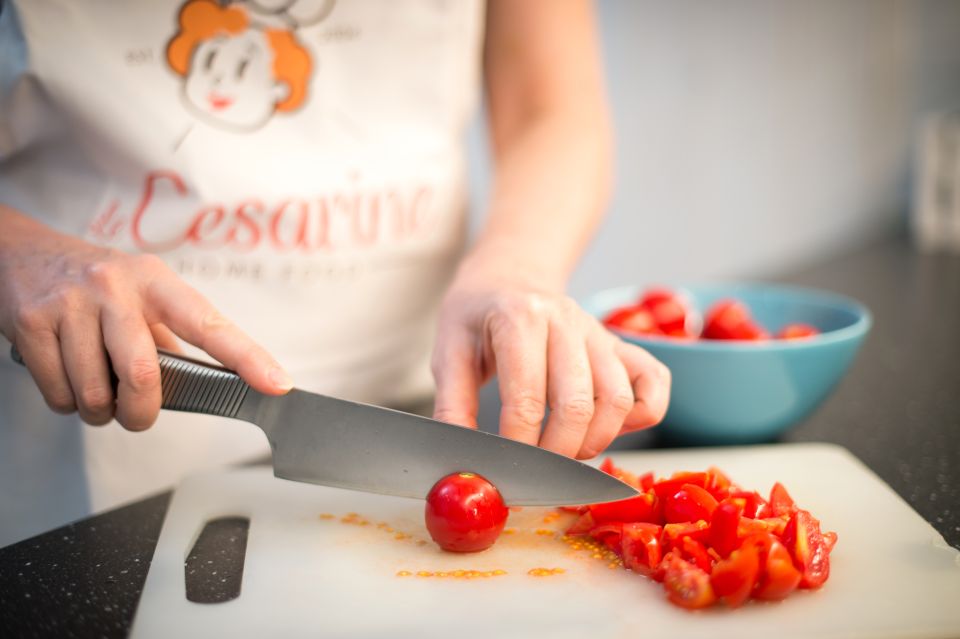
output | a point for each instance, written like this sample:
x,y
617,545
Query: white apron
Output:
x,y
302,167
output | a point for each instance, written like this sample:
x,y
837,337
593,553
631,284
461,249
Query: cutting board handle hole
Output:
x,y
213,571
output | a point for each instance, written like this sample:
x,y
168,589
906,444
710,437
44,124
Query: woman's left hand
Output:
x,y
547,353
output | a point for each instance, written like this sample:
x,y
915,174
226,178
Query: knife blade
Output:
x,y
334,442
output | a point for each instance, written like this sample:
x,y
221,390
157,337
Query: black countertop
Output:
x,y
898,410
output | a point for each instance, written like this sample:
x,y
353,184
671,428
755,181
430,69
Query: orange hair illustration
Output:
x,y
201,20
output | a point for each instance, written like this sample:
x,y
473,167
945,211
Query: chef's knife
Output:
x,y
334,442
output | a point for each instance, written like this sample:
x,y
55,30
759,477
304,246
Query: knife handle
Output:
x,y
190,385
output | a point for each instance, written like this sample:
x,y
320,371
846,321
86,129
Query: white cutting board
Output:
x,y
892,575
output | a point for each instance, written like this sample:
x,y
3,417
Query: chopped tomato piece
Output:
x,y
673,534
608,467
723,527
687,585
752,502
666,487
810,551
626,477
689,503
733,578
778,576
731,319
583,525
632,319
830,539
574,509
609,534
646,482
694,552
640,547
748,526
717,483
643,507
781,503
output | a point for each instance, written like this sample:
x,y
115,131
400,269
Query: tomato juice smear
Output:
x,y
356,519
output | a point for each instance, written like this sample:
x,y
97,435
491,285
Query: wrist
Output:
x,y
509,262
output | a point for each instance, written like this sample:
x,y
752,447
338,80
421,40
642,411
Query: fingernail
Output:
x,y
280,379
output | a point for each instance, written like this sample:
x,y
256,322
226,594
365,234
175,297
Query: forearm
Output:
x,y
551,140
550,188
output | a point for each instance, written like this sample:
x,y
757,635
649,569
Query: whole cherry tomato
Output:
x,y
465,513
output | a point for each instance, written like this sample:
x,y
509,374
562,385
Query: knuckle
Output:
x,y
96,399
519,307
621,401
30,318
576,408
143,375
61,402
527,410
103,275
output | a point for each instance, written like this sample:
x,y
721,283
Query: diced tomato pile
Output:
x,y
666,313
707,540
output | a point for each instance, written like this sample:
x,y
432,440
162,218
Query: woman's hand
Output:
x,y
68,305
547,353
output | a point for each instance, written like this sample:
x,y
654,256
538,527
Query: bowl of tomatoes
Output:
x,y
748,360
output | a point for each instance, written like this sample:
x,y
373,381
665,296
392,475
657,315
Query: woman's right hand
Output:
x,y
73,309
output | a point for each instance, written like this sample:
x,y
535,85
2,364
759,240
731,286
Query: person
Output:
x,y
270,181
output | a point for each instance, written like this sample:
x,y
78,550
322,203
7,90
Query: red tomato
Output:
x,y
690,503
687,585
731,319
632,319
752,502
723,527
705,538
671,312
583,525
696,553
666,487
645,507
465,513
811,553
830,539
717,483
640,483
797,331
733,578
640,547
748,526
673,534
609,534
781,503
778,576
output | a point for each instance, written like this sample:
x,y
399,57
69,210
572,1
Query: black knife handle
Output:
x,y
190,385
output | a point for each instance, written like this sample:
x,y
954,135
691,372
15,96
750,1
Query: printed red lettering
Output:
x,y
149,184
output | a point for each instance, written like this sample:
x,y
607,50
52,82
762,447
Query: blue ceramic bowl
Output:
x,y
744,392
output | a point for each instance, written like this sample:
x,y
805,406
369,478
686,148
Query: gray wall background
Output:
x,y
756,136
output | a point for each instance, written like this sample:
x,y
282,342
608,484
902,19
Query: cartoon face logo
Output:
x,y
238,72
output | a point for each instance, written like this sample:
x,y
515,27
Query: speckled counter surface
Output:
x,y
898,410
